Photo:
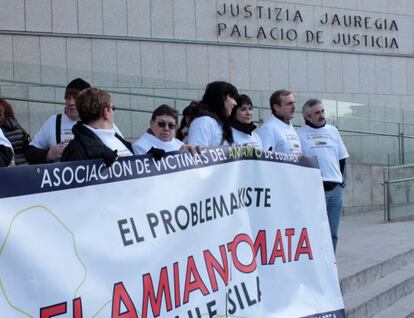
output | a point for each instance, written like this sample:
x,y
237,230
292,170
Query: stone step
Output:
x,y
380,294
375,272
403,308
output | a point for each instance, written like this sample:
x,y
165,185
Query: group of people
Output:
x,y
86,130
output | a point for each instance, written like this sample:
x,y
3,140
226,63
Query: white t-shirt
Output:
x,y
241,138
206,132
280,136
46,137
107,136
4,141
147,141
326,144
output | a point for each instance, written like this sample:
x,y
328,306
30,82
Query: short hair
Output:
x,y
8,109
164,109
75,86
91,103
308,104
241,100
275,97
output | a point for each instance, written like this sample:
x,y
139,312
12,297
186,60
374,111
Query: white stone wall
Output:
x,y
364,190
168,50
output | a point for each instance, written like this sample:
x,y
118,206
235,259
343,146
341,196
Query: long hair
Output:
x,y
213,102
189,111
8,109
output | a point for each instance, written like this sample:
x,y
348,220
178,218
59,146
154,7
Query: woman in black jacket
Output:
x,y
12,130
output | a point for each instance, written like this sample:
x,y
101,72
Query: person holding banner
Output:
x,y
324,141
161,134
241,120
211,125
277,133
95,135
6,151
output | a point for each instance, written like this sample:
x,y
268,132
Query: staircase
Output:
x,y
376,266
383,290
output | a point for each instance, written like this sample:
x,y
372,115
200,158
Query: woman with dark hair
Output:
x,y
12,130
241,120
161,134
211,126
188,115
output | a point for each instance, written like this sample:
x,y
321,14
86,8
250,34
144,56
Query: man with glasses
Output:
x,y
161,134
96,136
277,133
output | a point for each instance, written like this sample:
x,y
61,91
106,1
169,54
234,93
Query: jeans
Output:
x,y
334,202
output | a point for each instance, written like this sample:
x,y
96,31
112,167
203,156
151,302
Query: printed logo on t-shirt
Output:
x,y
67,135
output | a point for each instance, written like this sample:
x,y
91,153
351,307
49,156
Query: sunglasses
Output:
x,y
163,124
113,107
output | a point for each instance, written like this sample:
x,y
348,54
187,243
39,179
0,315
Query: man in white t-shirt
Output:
x,y
56,132
323,141
95,135
277,133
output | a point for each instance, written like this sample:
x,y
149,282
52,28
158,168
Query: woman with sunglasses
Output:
x,y
241,121
161,134
211,125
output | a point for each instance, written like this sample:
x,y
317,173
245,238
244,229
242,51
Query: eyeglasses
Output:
x,y
163,124
113,107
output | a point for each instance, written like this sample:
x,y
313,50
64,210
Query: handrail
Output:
x,y
189,100
387,191
62,103
398,181
410,165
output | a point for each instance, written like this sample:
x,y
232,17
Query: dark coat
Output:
x,y
86,145
6,156
18,138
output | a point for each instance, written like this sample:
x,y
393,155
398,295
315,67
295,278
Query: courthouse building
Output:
x,y
355,55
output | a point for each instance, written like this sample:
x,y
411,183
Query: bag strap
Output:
x,y
58,127
222,141
125,142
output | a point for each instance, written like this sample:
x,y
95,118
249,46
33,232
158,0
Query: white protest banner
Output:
x,y
229,232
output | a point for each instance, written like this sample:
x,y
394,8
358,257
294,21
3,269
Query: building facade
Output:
x,y
356,55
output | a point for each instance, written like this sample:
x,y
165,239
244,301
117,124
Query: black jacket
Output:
x,y
6,156
18,138
86,145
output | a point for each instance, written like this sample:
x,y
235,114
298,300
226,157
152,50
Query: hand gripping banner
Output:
x,y
229,232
